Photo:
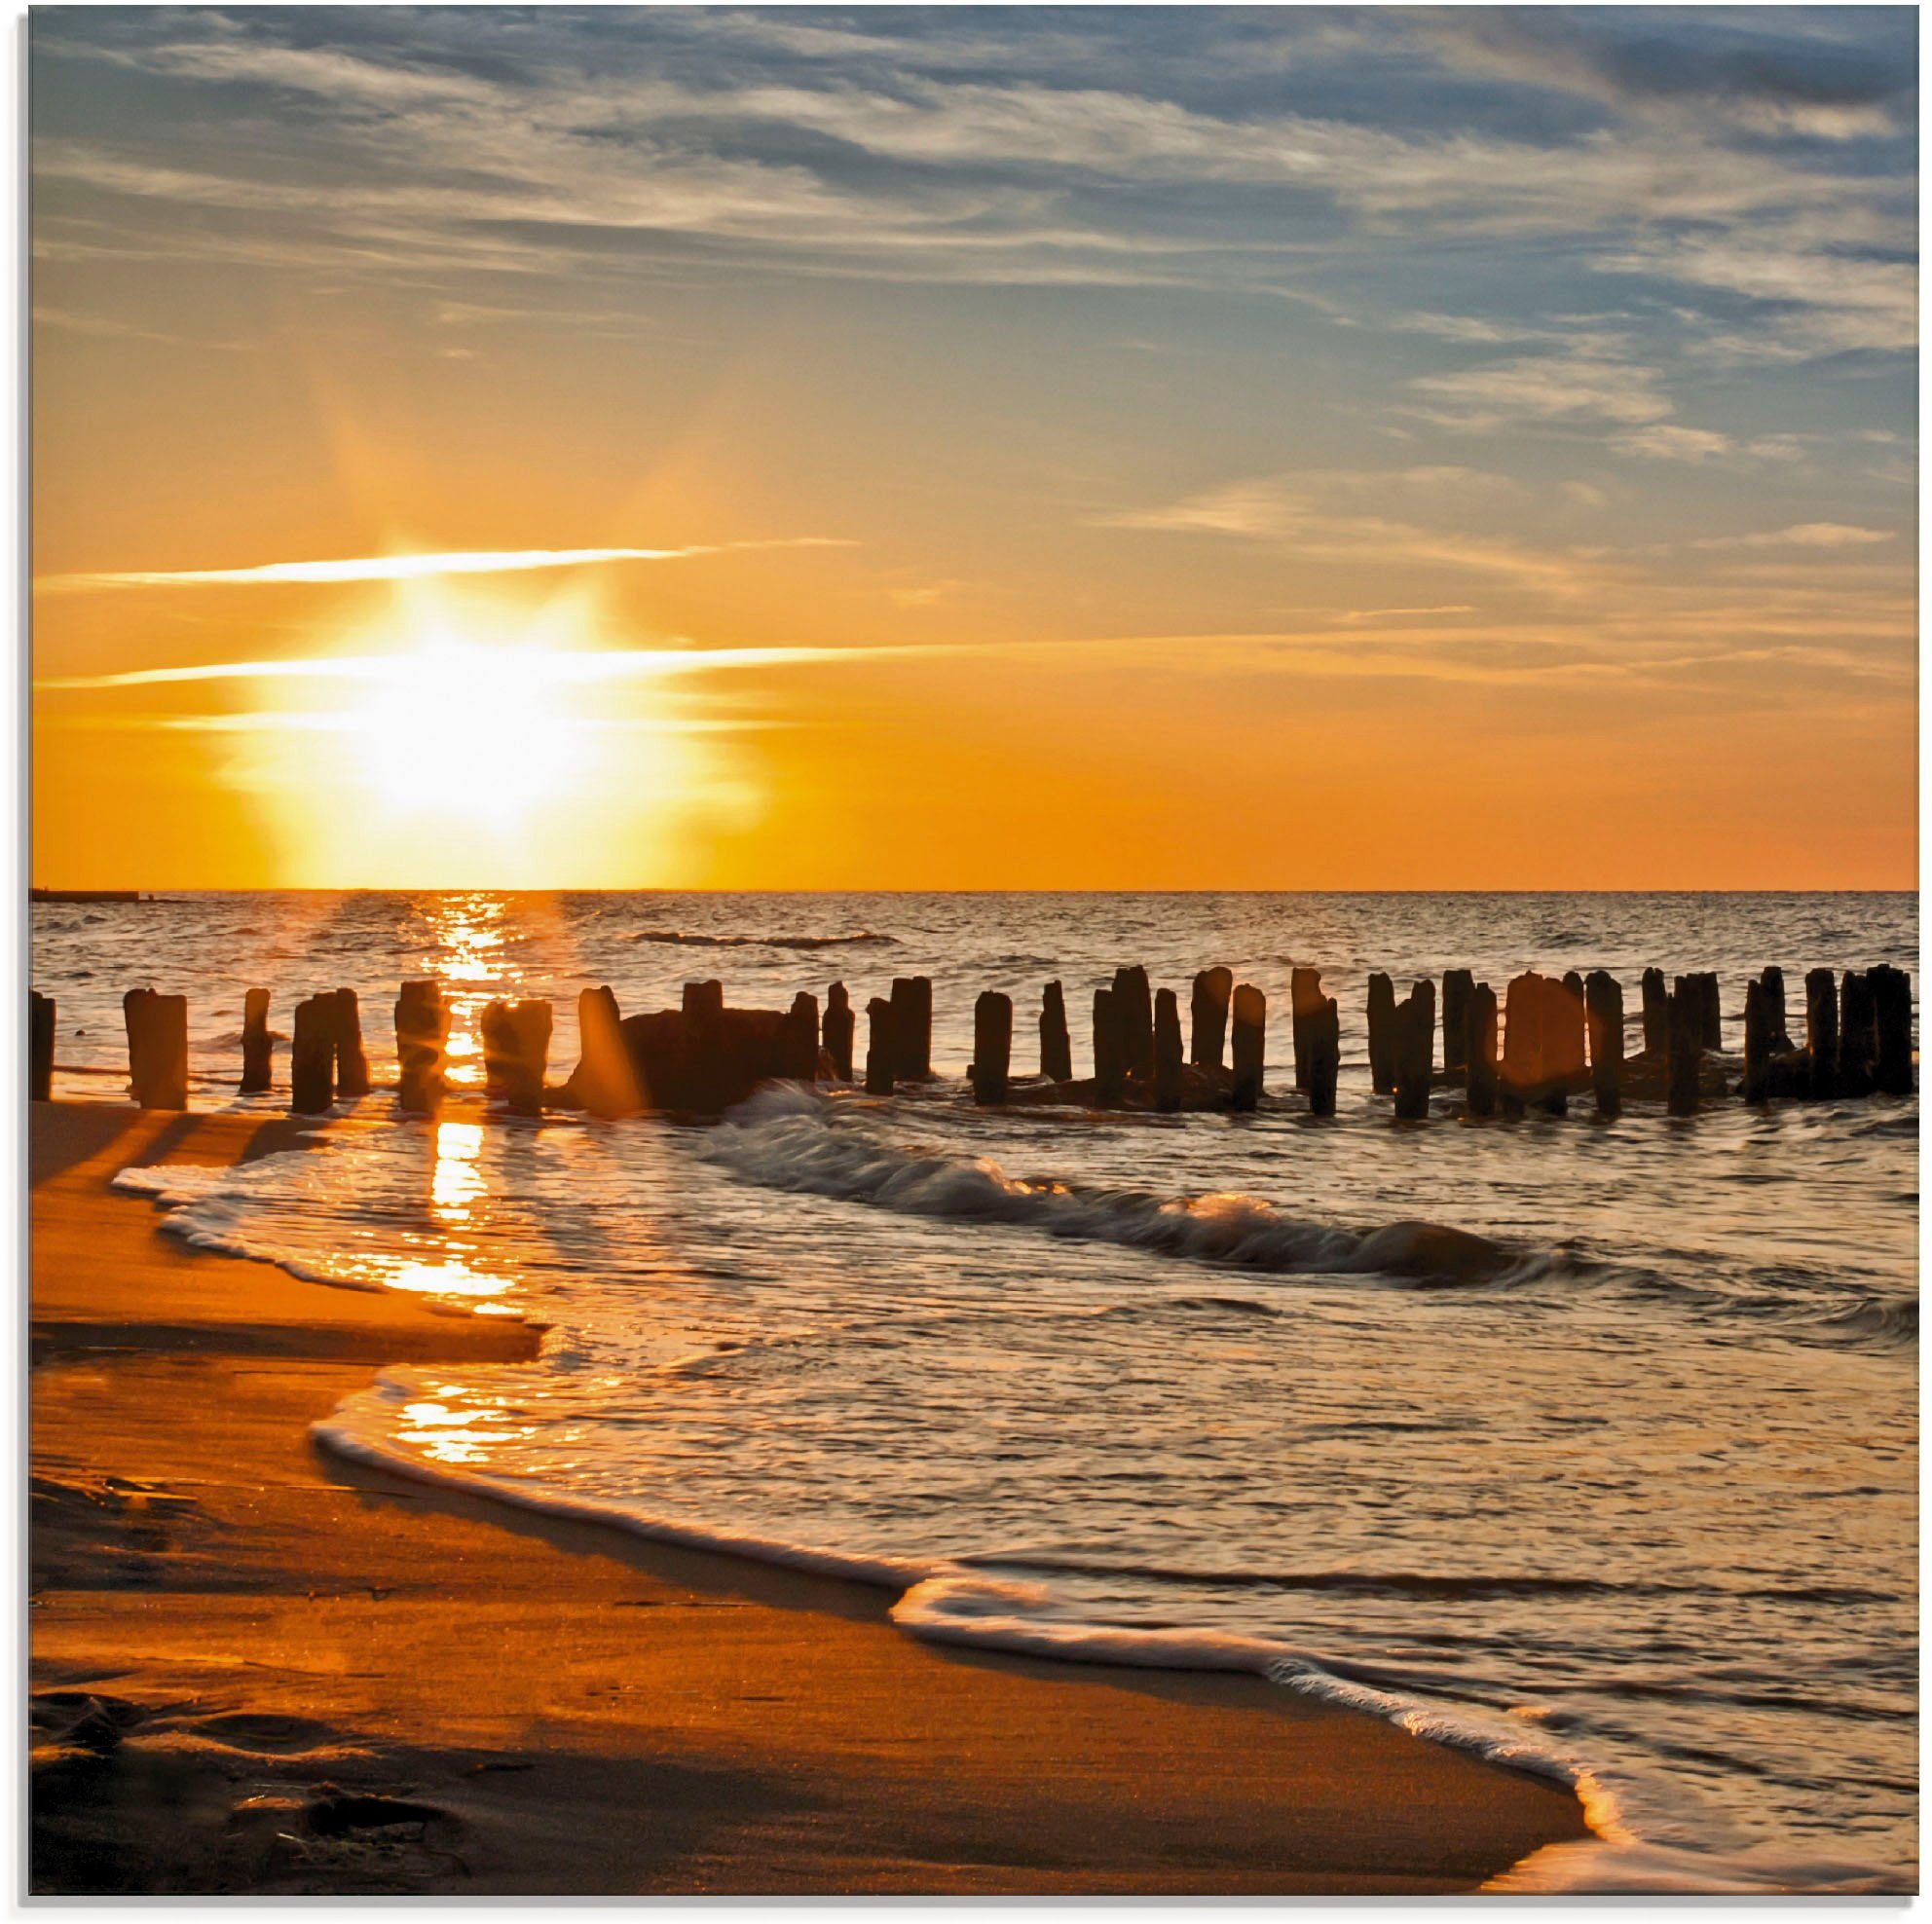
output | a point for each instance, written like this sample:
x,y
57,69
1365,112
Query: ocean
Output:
x,y
1628,1499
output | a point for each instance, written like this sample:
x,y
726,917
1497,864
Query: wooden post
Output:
x,y
1305,997
881,1046
1456,986
1167,1050
1325,1057
1250,1035
1525,1050
351,1060
1056,1044
1772,980
1133,1018
312,1056
1479,1052
1414,1050
913,1026
257,1046
498,1044
1656,1015
1109,1063
1684,1054
1381,1034
1564,1032
1821,1031
422,1029
40,1047
529,1025
604,1080
1858,1036
1891,994
838,1030
156,1048
704,1004
1759,1016
800,1048
1603,1010
993,1047
1711,1010
1212,989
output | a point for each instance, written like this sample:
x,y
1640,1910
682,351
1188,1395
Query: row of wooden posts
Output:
x,y
1560,1037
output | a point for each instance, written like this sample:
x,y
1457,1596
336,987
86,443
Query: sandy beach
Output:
x,y
256,1668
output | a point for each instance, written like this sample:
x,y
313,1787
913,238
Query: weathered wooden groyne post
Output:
x,y
993,1047
1381,1034
1656,1015
1249,1010
1167,1050
1305,997
529,1025
1684,1050
1109,1058
1530,1017
1759,1021
1324,1055
421,1033
40,1047
156,1048
881,1046
1858,1035
492,1026
1772,981
799,1050
913,1026
1710,1010
1413,1048
1603,1013
351,1060
311,1055
1480,1049
1891,996
1821,1031
1056,1044
1213,989
1457,984
1566,1026
1134,1020
257,1045
839,1025
604,1080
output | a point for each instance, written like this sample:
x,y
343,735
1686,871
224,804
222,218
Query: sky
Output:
x,y
974,447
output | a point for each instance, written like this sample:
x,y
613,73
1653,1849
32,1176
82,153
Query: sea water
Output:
x,y
1591,1446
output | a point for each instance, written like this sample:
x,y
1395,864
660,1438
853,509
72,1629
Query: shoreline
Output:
x,y
260,1666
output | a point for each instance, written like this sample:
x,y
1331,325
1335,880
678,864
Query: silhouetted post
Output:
x,y
422,1029
1456,986
40,1047
1250,1031
913,1026
838,1030
1686,1045
1167,1050
1479,1051
1564,1034
1858,1036
1891,995
530,1027
1603,1010
1414,1050
1821,1031
1213,991
1525,1067
1759,1013
351,1060
1134,1019
1381,1034
257,1047
993,1047
798,1048
498,1044
1656,1015
605,1078
1711,1010
1303,999
312,1056
1056,1044
881,1046
1325,1057
1109,1062
1781,1036
156,1048
704,1006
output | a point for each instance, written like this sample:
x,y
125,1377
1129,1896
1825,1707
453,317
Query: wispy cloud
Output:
x,y
1805,535
399,567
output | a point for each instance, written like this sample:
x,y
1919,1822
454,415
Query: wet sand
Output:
x,y
259,1669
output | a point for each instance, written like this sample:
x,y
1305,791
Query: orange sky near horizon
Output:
x,y
761,568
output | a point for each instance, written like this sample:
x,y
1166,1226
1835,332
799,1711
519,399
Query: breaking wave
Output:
x,y
687,938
